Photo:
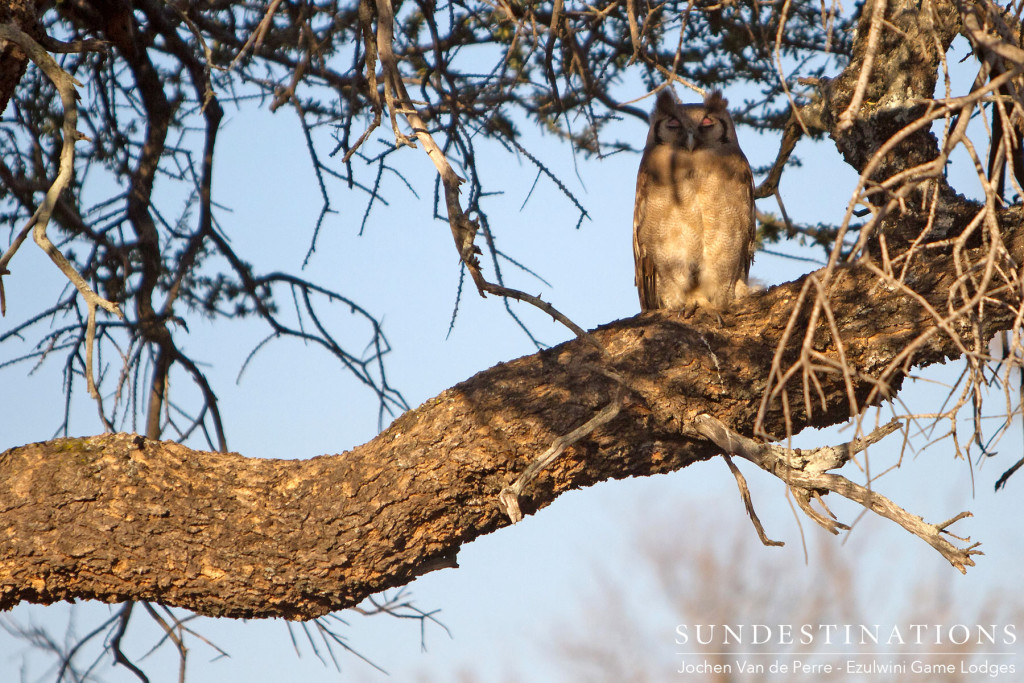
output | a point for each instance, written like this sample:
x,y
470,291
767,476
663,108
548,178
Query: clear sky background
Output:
x,y
579,581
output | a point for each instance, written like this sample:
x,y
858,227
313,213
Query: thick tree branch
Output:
x,y
124,518
119,517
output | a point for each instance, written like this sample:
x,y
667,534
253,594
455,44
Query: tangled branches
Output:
x,y
914,211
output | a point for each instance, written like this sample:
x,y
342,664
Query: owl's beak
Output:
x,y
691,140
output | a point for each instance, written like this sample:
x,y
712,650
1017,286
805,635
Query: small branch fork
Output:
x,y
65,85
806,474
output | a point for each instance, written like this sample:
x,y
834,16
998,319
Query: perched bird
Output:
x,y
693,224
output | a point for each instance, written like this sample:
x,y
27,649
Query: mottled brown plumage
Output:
x,y
693,224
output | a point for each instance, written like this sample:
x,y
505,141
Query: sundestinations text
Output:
x,y
845,634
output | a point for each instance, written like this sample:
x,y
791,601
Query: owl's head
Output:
x,y
691,126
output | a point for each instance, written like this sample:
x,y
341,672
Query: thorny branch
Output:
x,y
463,229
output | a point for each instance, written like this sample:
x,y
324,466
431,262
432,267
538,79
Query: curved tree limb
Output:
x,y
120,517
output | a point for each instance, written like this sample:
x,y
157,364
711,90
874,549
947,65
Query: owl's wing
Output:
x,y
748,199
646,283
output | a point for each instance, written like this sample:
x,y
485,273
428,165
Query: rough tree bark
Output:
x,y
120,517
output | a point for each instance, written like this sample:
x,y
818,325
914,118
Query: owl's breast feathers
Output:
x,y
693,226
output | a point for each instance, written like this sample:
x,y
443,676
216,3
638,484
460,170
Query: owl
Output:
x,y
693,223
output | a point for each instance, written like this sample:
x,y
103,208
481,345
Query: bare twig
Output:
x,y
173,636
790,136
256,38
124,616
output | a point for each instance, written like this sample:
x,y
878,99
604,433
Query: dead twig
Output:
x,y
508,499
790,136
255,40
464,230
65,85
741,482
806,473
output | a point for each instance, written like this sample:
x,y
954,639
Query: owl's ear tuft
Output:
x,y
666,102
715,102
